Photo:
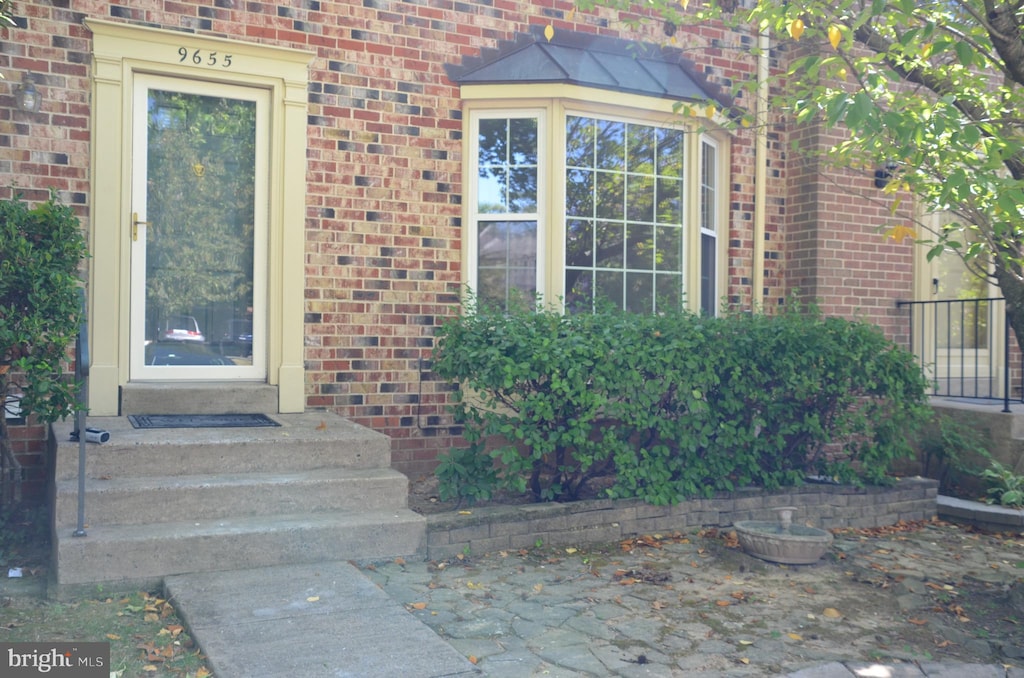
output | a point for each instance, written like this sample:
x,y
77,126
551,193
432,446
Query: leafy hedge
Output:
x,y
677,405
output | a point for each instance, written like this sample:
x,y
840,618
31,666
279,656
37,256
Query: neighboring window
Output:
x,y
626,224
506,208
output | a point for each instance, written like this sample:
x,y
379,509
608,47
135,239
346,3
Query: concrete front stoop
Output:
x,y
162,502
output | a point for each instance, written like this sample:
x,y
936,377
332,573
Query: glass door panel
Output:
x,y
198,231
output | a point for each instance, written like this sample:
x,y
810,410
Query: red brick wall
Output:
x,y
383,218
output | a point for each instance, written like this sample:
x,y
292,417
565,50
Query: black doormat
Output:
x,y
200,420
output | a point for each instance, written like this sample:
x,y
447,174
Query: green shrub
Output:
x,y
1006,488
949,451
679,405
41,248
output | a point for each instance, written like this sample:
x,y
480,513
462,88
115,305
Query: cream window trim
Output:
x,y
542,114
119,52
720,143
563,100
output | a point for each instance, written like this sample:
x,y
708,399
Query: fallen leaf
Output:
x,y
917,622
465,513
322,426
723,603
399,561
744,660
473,659
746,642
795,636
312,599
832,613
537,588
570,550
113,636
418,606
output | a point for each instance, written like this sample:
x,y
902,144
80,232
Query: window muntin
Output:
x,y
625,205
708,227
506,208
639,222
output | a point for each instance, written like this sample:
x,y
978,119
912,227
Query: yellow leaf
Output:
x,y
899,232
834,36
795,636
746,642
684,3
571,15
926,50
465,513
203,672
710,111
832,613
113,636
537,588
570,550
796,28
744,660
150,668
312,599
549,32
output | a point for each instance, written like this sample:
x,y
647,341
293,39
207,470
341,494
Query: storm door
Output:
x,y
963,326
198,230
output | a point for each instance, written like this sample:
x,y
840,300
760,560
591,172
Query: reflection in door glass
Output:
x,y
199,245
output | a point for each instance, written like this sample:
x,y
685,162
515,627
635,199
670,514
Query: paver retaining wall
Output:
x,y
495,528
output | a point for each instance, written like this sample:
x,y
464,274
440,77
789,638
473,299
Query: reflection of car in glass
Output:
x,y
183,353
237,339
182,328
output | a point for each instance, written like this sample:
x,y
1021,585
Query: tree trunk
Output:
x,y
1012,287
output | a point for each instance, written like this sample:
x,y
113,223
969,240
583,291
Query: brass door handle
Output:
x,y
135,225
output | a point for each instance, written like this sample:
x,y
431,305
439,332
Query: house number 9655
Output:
x,y
202,58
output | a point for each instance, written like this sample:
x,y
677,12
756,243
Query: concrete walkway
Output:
x,y
307,621
330,619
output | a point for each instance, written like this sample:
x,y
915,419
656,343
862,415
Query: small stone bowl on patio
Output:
x,y
782,542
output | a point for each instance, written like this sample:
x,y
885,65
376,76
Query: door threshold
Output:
x,y
198,397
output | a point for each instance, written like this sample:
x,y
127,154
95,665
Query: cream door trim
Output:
x,y
119,52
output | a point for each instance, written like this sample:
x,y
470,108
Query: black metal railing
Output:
x,y
82,360
963,346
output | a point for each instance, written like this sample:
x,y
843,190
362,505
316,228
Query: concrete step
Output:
x,y
138,501
126,557
188,397
307,441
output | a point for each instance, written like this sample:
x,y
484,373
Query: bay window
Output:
x,y
630,215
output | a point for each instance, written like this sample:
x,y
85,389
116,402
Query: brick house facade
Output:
x,y
383,204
